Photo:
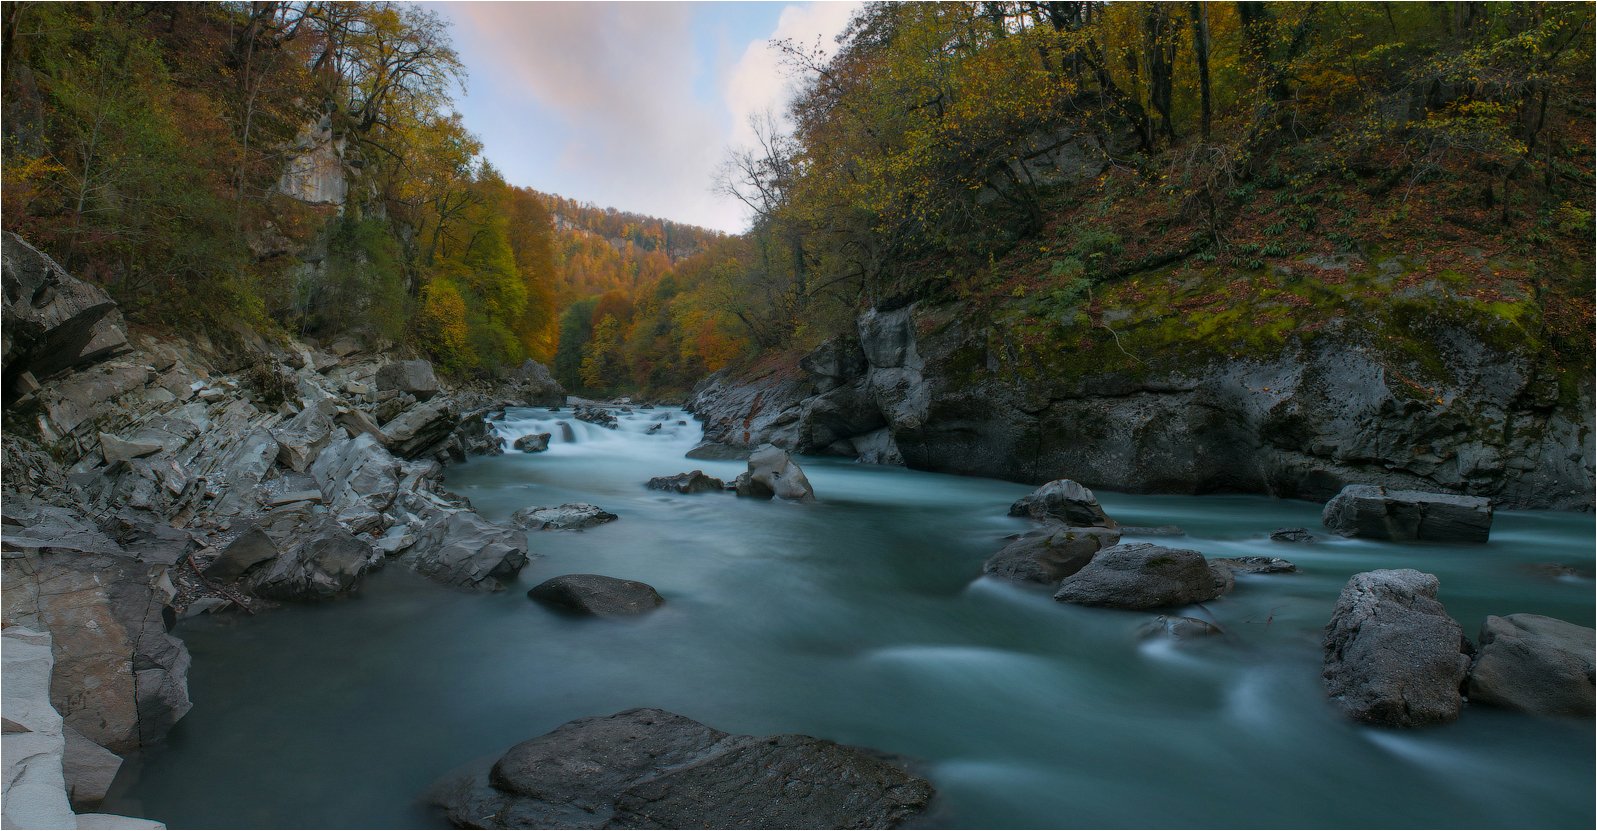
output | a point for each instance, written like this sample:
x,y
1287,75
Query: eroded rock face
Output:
x,y
537,387
1378,513
462,549
51,321
1143,576
773,473
650,768
1536,664
1065,501
596,595
1051,555
1393,656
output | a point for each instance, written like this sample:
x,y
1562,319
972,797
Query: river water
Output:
x,y
864,618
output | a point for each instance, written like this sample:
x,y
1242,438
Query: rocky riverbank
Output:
x,y
149,479
940,388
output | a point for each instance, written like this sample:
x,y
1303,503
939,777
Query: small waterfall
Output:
x,y
665,428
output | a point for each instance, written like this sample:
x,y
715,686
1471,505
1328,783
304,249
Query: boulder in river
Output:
x,y
1380,513
1179,628
692,482
572,516
1142,576
413,377
596,595
533,442
596,415
650,768
462,549
1255,565
773,473
1393,656
1050,556
1063,500
1295,535
711,451
1536,664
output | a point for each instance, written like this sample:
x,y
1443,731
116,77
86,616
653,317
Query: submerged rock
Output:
x,y
572,516
649,768
596,595
1378,513
1179,628
595,415
1393,656
1536,664
1050,556
1142,576
1296,535
1255,565
692,482
1063,500
773,473
711,451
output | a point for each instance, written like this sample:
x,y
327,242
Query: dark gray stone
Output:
x,y
1296,535
595,415
1393,656
649,768
710,451
1063,500
1378,513
596,595
533,442
1536,664
572,516
1142,576
535,386
1051,555
1255,565
50,320
692,482
460,548
773,473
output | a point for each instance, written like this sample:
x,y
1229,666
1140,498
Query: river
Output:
x,y
864,618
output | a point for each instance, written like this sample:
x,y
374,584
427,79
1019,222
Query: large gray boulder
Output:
x,y
460,548
650,768
773,473
413,377
596,595
1536,664
572,516
50,321
1381,513
1142,576
533,442
359,480
536,386
301,439
1065,501
315,558
1051,555
1393,656
421,429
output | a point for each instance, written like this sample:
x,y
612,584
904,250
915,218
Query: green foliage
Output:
x,y
576,328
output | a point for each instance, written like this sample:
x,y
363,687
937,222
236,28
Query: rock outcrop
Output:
x,y
953,394
654,769
51,321
411,377
1142,576
533,385
1378,513
1536,664
1393,656
596,595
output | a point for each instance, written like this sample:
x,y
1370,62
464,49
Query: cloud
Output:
x,y
759,84
622,81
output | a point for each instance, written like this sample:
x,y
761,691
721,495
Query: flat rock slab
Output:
x,y
1393,656
649,768
1256,565
596,595
1144,576
572,516
1536,664
1380,513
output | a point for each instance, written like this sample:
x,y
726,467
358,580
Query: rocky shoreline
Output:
x,y
933,388
149,479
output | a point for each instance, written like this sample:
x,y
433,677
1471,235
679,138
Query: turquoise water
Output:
x,y
864,618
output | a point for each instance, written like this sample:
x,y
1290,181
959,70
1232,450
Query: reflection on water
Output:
x,y
864,618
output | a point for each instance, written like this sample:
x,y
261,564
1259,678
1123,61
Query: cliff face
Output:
x,y
943,388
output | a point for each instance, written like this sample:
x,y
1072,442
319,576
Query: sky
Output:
x,y
628,105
